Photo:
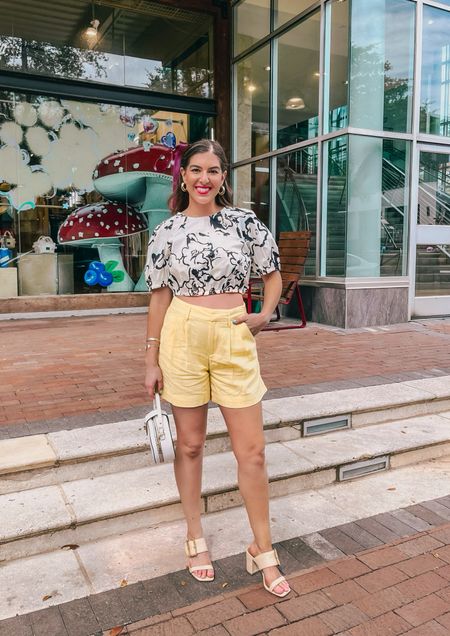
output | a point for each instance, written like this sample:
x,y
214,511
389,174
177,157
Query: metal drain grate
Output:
x,y
360,469
326,425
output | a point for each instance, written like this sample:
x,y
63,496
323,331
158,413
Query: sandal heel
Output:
x,y
252,568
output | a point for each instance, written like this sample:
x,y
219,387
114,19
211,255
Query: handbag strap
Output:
x,y
157,403
157,408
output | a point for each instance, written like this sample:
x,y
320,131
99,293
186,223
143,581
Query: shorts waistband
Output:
x,y
187,310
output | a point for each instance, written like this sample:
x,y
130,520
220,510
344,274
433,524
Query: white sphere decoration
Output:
x,y
40,183
57,166
69,134
38,140
51,113
10,159
19,196
11,133
25,114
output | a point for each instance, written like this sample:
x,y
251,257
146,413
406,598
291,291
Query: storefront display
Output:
x,y
94,178
92,175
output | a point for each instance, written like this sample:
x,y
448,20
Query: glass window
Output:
x,y
287,9
297,197
93,178
152,46
382,55
432,270
434,189
252,188
334,207
336,66
251,23
252,113
298,83
377,218
435,94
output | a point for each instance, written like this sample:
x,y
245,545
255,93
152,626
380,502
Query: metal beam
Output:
x,y
84,91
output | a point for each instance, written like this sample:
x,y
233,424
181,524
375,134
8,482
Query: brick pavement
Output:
x,y
400,586
62,370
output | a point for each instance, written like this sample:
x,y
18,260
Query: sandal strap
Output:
x,y
277,581
192,547
267,559
197,568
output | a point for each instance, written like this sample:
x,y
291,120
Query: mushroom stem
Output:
x,y
111,252
155,206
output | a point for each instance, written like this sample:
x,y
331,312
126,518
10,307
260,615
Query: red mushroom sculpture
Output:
x,y
102,225
141,176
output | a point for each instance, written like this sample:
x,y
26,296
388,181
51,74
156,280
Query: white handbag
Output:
x,y
159,434
44,245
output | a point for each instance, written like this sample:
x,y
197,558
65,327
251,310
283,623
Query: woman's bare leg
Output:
x,y
245,426
191,433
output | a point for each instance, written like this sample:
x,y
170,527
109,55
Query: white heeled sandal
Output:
x,y
265,560
192,547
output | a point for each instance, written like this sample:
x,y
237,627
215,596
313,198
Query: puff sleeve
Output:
x,y
157,264
264,251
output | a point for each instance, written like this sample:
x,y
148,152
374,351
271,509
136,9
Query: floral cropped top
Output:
x,y
198,256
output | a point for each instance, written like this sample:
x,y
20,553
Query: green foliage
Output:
x,y
111,265
47,58
118,276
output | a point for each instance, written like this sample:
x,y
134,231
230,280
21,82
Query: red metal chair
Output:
x,y
294,247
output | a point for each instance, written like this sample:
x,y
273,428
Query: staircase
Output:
x,y
297,205
89,498
432,271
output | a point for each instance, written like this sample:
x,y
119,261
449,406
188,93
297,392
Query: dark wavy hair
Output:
x,y
179,200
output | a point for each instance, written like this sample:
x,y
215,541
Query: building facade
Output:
x,y
95,99
336,115
341,126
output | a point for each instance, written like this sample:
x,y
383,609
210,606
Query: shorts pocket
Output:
x,y
243,350
173,339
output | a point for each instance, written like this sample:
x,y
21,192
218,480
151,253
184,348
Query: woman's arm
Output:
x,y
159,302
272,293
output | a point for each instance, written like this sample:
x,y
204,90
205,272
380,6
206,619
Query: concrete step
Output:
x,y
82,510
61,575
54,458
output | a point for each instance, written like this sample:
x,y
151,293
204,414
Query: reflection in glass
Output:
x,y
334,207
382,56
298,83
252,114
434,189
435,94
251,23
297,197
287,9
378,192
365,207
52,155
252,188
336,66
151,47
433,270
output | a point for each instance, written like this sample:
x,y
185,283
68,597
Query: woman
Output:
x,y
201,346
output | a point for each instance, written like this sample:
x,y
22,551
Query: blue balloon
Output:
x,y
105,278
97,266
91,277
169,140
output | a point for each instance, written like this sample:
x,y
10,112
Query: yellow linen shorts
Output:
x,y
203,356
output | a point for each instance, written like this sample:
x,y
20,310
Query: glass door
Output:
x,y
432,243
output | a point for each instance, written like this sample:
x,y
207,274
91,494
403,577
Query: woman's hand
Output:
x,y
153,379
255,322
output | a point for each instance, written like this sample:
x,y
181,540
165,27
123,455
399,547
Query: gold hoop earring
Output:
x,y
183,186
222,190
